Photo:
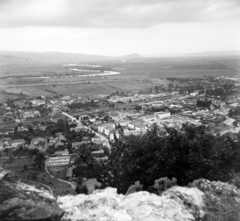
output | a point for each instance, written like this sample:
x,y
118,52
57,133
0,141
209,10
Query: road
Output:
x,y
73,185
50,190
98,134
79,122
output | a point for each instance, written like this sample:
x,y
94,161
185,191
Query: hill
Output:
x,y
12,57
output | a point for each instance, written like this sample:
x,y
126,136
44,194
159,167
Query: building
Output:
x,y
62,152
193,94
149,118
37,102
102,127
6,141
52,140
30,114
141,127
116,116
94,139
111,136
17,143
39,140
117,134
76,144
58,161
124,123
163,115
127,132
59,144
101,159
98,153
69,173
108,130
135,123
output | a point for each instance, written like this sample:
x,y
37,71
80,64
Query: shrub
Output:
x,y
82,189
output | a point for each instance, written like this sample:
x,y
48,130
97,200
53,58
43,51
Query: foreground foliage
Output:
x,y
187,155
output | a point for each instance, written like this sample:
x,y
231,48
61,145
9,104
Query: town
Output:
x,y
59,142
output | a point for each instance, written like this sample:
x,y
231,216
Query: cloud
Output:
x,y
114,13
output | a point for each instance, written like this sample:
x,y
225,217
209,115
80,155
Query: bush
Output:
x,y
82,189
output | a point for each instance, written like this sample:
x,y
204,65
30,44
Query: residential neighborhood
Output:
x,y
74,132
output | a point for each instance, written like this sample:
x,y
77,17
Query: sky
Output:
x,y
120,27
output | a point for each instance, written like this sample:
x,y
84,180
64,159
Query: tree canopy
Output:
x,y
188,154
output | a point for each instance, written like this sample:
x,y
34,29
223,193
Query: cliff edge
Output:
x,y
204,200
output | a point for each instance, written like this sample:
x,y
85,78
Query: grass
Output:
x,y
15,165
58,172
92,88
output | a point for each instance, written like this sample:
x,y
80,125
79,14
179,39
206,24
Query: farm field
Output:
x,y
88,88
5,96
19,79
183,73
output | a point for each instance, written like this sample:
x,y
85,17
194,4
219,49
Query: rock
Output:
x,y
205,200
20,201
222,200
140,206
192,198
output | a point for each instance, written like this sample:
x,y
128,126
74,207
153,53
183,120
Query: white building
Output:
x,y
193,94
149,118
124,123
102,127
62,152
37,102
127,132
94,139
162,115
108,130
58,161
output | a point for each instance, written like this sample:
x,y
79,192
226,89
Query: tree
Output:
x,y
39,160
82,189
30,129
188,154
106,118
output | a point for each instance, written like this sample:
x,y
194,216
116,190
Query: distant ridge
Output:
x,y
199,54
18,57
216,53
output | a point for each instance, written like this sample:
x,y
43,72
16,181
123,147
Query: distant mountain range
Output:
x,y
12,57
15,57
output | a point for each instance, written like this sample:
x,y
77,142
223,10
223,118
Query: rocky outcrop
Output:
x,y
140,206
204,200
19,201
